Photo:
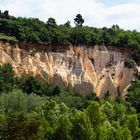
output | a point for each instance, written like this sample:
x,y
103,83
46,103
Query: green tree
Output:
x,y
52,111
126,134
30,84
132,124
6,78
79,20
17,101
82,128
51,23
63,129
134,94
108,109
56,90
5,14
104,131
54,120
18,126
67,24
95,114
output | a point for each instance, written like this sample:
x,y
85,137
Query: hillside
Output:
x,y
80,69
59,82
82,59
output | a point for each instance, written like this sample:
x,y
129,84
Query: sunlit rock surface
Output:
x,y
80,69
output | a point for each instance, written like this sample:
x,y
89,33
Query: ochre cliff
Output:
x,y
80,69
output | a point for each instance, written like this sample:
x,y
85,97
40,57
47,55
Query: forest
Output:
x,y
49,32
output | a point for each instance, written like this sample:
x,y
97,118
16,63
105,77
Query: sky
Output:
x,y
96,13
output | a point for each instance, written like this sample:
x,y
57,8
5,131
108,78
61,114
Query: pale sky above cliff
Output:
x,y
97,13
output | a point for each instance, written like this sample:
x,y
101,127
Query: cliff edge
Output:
x,y
80,69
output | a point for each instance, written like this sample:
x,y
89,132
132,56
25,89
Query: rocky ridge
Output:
x,y
80,69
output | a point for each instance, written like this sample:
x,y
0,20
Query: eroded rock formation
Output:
x,y
80,69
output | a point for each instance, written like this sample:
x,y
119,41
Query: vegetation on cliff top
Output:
x,y
7,38
34,30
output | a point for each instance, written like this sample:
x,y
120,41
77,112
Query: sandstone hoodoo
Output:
x,y
80,69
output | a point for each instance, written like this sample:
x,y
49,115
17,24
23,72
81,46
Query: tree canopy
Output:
x,y
37,31
79,20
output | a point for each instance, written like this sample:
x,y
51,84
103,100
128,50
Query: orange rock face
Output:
x,y
80,69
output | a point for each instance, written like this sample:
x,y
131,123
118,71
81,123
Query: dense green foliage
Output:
x,y
79,20
129,63
134,95
6,78
53,120
34,30
26,113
